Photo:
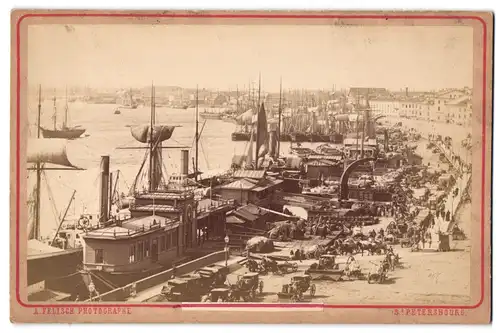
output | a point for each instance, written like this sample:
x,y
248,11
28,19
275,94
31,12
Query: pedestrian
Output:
x,y
174,270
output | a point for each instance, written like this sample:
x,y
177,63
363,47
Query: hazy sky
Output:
x,y
421,58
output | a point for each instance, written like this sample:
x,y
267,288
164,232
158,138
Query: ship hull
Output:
x,y
210,116
285,137
319,138
337,138
69,134
240,136
299,137
50,266
117,280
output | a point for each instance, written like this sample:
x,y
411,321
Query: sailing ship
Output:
x,y
206,114
65,132
129,103
49,261
244,126
247,119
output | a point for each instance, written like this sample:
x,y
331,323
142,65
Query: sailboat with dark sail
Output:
x,y
65,132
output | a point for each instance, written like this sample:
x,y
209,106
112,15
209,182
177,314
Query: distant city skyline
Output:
x,y
224,57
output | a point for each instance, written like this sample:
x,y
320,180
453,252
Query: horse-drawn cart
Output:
x,y
247,287
299,284
325,269
378,273
218,295
352,269
288,267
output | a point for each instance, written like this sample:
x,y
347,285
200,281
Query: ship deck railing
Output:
x,y
215,205
131,230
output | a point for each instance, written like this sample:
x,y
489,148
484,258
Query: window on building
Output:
x,y
162,243
140,251
439,108
146,248
131,255
175,237
99,256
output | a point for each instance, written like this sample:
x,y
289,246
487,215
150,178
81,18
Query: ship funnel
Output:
x,y
386,141
104,190
185,162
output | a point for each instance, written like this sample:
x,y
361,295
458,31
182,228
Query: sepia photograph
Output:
x,y
191,161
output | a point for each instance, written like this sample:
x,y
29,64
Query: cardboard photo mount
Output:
x,y
477,311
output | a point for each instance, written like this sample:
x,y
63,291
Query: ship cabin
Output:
x,y
133,245
250,186
161,228
211,217
355,148
353,152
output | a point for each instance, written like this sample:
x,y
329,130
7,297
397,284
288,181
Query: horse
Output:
x,y
392,259
348,246
378,248
365,245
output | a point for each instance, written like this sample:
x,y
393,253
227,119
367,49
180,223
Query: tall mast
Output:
x,y
253,94
65,123
257,130
36,227
151,172
54,115
197,138
357,128
39,110
237,99
279,119
258,103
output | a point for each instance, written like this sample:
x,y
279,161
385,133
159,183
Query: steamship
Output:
x,y
162,223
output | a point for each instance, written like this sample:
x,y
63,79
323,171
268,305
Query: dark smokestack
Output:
x,y
103,195
386,141
406,91
185,162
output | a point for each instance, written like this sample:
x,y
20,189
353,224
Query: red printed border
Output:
x,y
252,16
